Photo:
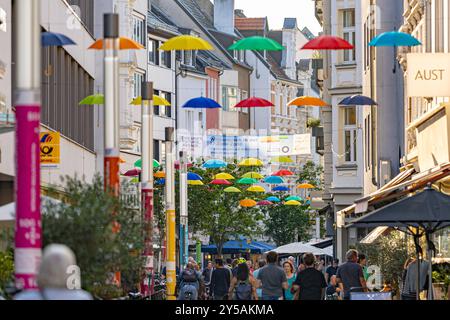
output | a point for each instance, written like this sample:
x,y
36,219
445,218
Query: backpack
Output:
x,y
189,275
243,291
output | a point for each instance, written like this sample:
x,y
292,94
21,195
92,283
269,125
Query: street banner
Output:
x,y
50,149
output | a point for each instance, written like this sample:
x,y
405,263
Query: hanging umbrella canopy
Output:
x,y
231,190
193,176
273,199
138,164
394,39
299,247
195,183
201,103
247,203
134,180
93,100
247,181
160,174
282,159
305,186
224,176
264,203
254,102
256,189
295,198
253,175
273,180
251,162
186,42
357,100
49,39
257,43
132,173
160,182
280,189
292,203
305,101
124,44
221,182
283,173
326,42
214,164
157,101
177,165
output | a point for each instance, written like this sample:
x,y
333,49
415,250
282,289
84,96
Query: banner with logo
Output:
x,y
50,146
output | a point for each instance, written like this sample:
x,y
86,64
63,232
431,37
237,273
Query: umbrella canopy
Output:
x,y
221,182
253,175
195,183
124,44
307,101
282,159
273,199
305,186
93,99
283,173
232,190
201,103
138,164
394,39
257,43
132,173
157,101
299,247
280,189
264,203
326,42
295,198
254,102
357,100
55,39
186,42
251,162
214,164
193,176
247,181
273,180
134,180
160,174
177,165
224,175
292,203
256,189
160,182
239,246
247,203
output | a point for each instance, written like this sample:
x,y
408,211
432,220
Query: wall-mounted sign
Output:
x,y
428,75
50,149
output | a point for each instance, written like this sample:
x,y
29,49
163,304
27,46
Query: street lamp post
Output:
x,y
27,105
184,231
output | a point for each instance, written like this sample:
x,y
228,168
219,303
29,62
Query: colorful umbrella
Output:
x,y
280,189
283,173
394,39
292,203
295,198
256,189
160,174
254,102
177,165
132,173
305,186
357,100
193,176
49,39
214,164
281,159
232,190
247,181
273,199
138,164
157,101
124,44
160,182
253,175
224,176
221,182
251,162
247,203
307,101
326,42
134,180
257,43
273,180
201,103
122,161
195,183
264,203
186,42
93,100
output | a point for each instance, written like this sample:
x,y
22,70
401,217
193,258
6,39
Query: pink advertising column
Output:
x,y
28,236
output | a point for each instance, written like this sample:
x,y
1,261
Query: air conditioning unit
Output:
x,y
385,172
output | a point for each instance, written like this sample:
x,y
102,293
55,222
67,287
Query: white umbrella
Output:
x,y
299,247
8,211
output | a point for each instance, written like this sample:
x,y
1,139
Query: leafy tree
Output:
x,y
311,173
6,269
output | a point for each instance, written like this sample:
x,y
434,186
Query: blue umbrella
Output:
x,y
273,199
202,103
193,176
273,180
160,182
214,164
55,39
280,188
357,100
394,39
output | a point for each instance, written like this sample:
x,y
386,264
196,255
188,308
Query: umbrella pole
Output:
x,y
416,243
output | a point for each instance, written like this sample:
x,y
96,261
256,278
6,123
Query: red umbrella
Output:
x,y
132,173
254,102
264,203
221,182
327,43
283,172
177,165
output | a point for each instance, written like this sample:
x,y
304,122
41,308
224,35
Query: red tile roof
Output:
x,y
250,23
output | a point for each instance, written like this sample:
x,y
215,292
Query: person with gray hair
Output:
x,y
58,277
350,275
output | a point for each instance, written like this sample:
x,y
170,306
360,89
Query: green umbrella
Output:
x,y
295,198
257,43
247,181
93,100
138,164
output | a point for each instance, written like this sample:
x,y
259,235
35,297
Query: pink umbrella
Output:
x,y
177,165
132,173
326,42
264,203
221,182
254,102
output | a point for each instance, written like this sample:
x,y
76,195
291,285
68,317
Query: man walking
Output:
x,y
331,270
220,281
272,278
350,275
310,283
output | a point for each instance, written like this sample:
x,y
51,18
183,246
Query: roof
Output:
x,y
308,34
250,23
193,7
290,23
156,19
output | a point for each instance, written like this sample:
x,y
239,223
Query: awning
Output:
x,y
239,246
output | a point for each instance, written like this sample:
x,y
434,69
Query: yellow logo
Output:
x,y
50,148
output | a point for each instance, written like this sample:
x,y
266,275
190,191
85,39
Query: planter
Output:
x,y
440,292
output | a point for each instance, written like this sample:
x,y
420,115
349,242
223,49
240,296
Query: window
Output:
x,y
156,150
349,34
153,52
229,98
138,79
166,110
166,59
156,108
439,28
350,134
139,30
189,58
244,96
239,55
368,141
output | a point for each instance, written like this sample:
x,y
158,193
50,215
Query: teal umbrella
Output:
x,y
247,181
257,43
138,164
394,39
295,198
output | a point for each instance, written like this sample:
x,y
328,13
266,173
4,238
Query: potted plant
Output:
x,y
314,124
441,280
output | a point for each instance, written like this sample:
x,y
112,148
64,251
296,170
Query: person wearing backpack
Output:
x,y
190,283
243,285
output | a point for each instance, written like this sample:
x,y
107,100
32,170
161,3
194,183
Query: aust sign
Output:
x,y
428,75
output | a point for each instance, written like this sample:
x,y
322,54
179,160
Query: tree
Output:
x,y
311,173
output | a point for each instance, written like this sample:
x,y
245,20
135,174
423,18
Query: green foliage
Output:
x,y
313,123
6,269
441,274
84,223
311,173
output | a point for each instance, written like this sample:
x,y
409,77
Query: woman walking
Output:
x,y
243,285
290,275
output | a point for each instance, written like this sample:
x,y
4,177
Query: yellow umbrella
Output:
x,y
223,176
160,174
157,101
253,175
231,190
195,183
292,203
247,203
186,42
282,159
125,44
251,162
305,186
307,101
256,189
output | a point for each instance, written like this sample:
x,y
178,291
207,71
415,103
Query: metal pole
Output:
x,y
184,236
27,104
170,215
147,182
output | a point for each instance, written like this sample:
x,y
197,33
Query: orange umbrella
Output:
x,y
125,44
307,101
160,174
247,203
305,186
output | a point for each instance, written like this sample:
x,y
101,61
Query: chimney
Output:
x,y
224,16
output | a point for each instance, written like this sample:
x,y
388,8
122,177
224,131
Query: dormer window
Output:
x,y
189,58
